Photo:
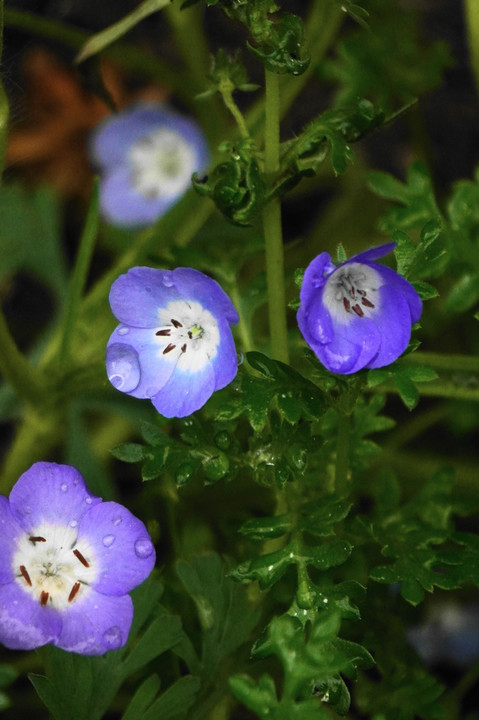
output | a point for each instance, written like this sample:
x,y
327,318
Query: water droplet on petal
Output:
x,y
123,330
73,523
108,540
63,487
28,510
123,366
167,281
240,358
116,521
88,500
113,637
143,548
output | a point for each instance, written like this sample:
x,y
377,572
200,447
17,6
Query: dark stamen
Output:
x,y
73,591
358,310
183,348
347,304
81,558
176,323
36,538
367,302
25,574
361,292
168,348
163,332
44,598
190,334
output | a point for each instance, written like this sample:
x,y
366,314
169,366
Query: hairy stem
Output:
x,y
471,11
273,234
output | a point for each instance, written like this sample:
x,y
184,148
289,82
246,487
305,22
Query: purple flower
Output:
x,y
146,156
175,344
359,314
67,563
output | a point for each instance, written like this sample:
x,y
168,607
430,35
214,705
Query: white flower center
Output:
x,y
53,567
188,335
352,290
162,163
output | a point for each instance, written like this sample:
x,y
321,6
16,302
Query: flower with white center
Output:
x,y
67,563
146,156
174,345
359,314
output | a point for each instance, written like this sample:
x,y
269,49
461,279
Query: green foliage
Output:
x,y
79,686
419,536
390,31
313,667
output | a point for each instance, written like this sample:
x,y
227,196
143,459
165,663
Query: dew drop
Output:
x,y
73,523
143,548
123,366
28,510
113,637
123,330
63,487
108,540
116,521
88,500
240,358
167,281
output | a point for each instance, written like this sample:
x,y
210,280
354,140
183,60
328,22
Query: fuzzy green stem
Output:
x,y
273,234
341,470
471,11
226,88
79,277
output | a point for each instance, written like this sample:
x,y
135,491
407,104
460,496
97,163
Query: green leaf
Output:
x,y
30,237
464,294
142,699
129,452
406,388
175,701
261,528
424,290
111,34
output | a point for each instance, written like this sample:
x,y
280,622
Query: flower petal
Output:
x,y
95,624
24,623
402,286
122,205
314,320
372,254
123,548
195,285
225,362
136,296
10,530
186,391
137,368
50,493
315,277
354,344
394,325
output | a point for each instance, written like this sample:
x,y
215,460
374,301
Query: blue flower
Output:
x,y
358,314
67,563
175,344
146,156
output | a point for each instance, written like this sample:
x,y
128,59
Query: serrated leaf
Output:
x,y
408,392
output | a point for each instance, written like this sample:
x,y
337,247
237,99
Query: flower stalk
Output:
x,y
272,227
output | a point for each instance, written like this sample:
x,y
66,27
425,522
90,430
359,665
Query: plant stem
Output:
x,y
471,12
439,361
272,228
341,469
79,277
